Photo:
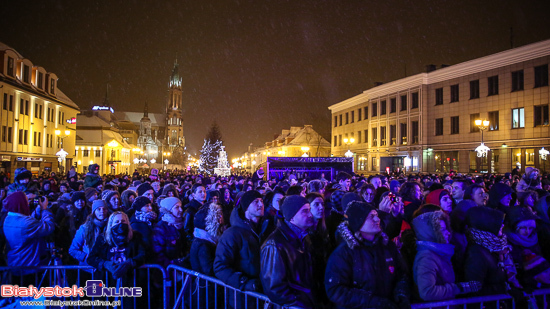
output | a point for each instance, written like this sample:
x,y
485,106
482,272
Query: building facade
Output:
x,y
37,117
426,122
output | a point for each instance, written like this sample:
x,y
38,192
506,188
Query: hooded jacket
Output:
x,y
92,180
363,274
497,192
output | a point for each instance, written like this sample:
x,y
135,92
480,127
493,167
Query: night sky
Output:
x,y
256,67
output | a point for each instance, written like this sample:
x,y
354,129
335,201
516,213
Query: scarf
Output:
x,y
169,218
146,216
444,250
100,223
523,241
202,234
498,245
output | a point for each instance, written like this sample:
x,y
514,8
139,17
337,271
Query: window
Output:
x,y
366,112
5,102
541,76
98,153
27,107
335,139
40,113
439,96
439,126
51,140
393,139
341,123
518,118
415,130
359,114
11,103
393,105
347,118
492,85
4,129
59,117
26,73
21,106
10,134
26,137
374,110
10,67
35,139
340,140
86,153
414,100
39,139
541,115
403,102
40,80
403,133
455,125
352,116
374,135
382,136
52,86
335,121
455,97
474,89
517,80
366,137
493,121
383,106
473,127
358,137
20,136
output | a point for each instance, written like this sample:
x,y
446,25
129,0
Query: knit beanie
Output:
x,y
78,195
497,192
336,198
89,192
485,219
291,205
139,202
434,197
169,203
98,203
17,202
348,198
247,198
357,214
144,187
109,195
534,264
394,185
517,214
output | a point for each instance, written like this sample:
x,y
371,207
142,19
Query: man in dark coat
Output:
x,y
366,270
287,272
237,261
92,179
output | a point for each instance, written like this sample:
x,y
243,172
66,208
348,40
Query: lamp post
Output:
x,y
482,149
348,142
543,154
305,150
62,154
165,161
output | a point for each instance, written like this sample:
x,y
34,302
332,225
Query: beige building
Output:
x,y
426,122
38,119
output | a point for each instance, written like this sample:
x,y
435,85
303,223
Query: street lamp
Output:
x,y
305,150
165,161
348,142
482,149
62,154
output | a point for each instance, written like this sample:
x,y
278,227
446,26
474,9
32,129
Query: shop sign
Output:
x,y
32,159
6,158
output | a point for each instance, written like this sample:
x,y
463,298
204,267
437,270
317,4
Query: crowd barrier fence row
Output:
x,y
178,287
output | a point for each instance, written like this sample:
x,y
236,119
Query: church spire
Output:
x,y
146,110
175,80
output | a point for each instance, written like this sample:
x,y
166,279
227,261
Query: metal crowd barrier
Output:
x,y
69,275
470,302
192,289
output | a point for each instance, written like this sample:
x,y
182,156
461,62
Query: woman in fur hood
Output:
x,y
209,226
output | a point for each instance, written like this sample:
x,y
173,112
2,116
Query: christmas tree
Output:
x,y
210,150
223,166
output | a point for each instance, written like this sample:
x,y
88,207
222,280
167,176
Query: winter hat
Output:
x,y
291,205
427,226
89,192
200,218
144,187
136,183
349,197
22,173
169,203
518,214
211,193
435,196
17,202
497,192
98,203
93,167
139,202
109,195
78,195
336,198
485,219
394,184
458,216
534,264
247,198
357,214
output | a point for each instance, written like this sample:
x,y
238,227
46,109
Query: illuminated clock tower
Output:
x,y
174,120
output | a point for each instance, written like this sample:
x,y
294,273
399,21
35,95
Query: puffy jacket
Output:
x,y
202,255
237,261
79,249
168,243
286,268
362,274
482,265
188,216
92,180
25,236
144,229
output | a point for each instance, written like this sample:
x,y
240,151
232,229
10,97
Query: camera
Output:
x,y
393,197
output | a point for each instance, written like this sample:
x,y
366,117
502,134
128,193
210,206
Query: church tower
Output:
x,y
174,120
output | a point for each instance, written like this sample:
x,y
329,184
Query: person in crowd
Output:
x,y
168,235
344,181
433,271
198,198
146,190
88,232
26,234
529,181
366,270
212,196
488,259
93,179
127,197
441,198
237,261
70,223
170,190
209,226
113,201
459,187
459,236
391,214
395,185
286,269
412,194
316,186
376,181
476,193
272,213
143,219
227,204
500,197
22,178
91,195
367,192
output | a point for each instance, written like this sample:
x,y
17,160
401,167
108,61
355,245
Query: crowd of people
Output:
x,y
382,241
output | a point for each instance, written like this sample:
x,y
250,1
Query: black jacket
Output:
x,y
202,256
188,216
287,272
237,261
482,265
363,274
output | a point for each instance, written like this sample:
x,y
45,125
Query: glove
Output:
x,y
403,302
384,303
469,287
251,285
110,266
122,269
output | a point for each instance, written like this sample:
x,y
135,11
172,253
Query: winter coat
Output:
x,y
433,271
237,261
410,207
145,230
188,216
168,243
286,269
25,236
79,249
92,180
203,253
363,274
269,222
482,265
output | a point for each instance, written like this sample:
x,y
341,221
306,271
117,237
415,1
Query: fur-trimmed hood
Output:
x,y
427,226
353,242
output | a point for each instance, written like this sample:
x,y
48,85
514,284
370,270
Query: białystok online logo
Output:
x,y
93,288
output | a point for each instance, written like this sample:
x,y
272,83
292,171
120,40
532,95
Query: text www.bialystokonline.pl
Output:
x,y
71,303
